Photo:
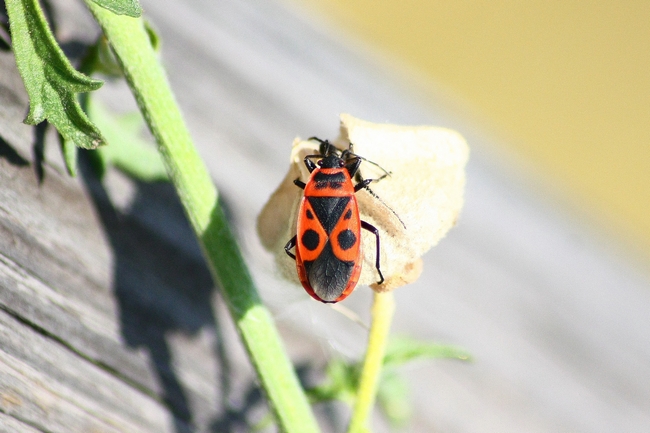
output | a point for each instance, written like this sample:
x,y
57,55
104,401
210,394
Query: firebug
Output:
x,y
328,240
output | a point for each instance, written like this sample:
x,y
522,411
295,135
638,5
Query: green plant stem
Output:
x,y
198,195
383,308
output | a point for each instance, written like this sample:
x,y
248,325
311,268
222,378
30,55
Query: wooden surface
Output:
x,y
109,321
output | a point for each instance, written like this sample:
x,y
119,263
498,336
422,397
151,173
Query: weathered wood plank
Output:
x,y
120,289
13,425
48,387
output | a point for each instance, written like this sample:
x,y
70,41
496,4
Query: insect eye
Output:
x,y
341,163
320,162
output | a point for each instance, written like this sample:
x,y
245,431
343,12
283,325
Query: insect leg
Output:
x,y
318,139
352,165
289,245
299,183
364,183
309,163
372,229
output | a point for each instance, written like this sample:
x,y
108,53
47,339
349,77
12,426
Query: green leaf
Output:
x,y
153,36
127,151
99,58
341,381
51,82
69,151
393,397
405,349
342,378
129,8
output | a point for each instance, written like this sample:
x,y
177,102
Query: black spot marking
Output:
x,y
310,215
348,214
346,239
310,239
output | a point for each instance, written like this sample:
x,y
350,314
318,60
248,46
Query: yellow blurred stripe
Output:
x,y
567,82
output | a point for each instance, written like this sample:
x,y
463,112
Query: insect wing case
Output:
x,y
328,238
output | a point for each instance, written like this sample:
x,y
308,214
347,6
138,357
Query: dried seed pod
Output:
x,y
413,208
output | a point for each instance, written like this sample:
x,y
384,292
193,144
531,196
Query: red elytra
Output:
x,y
328,239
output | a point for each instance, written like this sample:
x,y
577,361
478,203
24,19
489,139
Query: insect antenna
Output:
x,y
326,148
376,197
349,153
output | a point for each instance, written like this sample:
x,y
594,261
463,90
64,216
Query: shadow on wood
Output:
x,y
162,289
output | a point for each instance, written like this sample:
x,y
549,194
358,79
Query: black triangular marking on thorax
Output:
x,y
328,210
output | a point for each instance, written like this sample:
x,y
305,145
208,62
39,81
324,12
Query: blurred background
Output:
x,y
563,85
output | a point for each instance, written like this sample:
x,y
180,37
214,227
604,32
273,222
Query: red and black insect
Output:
x,y
328,239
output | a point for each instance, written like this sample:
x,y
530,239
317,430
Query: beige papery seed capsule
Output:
x,y
413,208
